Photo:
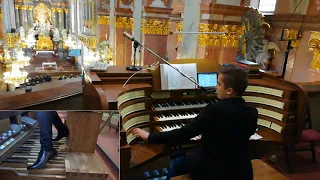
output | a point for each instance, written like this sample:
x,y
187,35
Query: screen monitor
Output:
x,y
208,79
74,52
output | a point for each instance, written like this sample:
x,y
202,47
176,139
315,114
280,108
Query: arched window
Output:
x,y
267,7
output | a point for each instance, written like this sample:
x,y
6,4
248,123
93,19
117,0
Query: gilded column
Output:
x,y
30,17
24,14
67,15
16,10
54,17
60,17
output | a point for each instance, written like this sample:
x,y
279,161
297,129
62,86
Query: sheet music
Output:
x,y
255,137
172,79
191,71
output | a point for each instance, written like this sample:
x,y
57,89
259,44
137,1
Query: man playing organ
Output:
x,y
225,126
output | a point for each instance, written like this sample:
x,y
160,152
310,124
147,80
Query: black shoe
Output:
x,y
43,158
61,135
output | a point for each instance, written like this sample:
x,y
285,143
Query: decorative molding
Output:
x,y
155,26
123,22
104,20
89,41
230,39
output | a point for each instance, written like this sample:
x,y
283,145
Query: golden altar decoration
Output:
x,y
44,43
42,14
314,45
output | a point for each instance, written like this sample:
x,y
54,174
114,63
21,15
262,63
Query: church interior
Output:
x,y
146,59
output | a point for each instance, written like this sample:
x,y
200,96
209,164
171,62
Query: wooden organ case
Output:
x,y
75,159
281,107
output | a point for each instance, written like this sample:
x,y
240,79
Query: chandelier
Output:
x,y
21,60
15,77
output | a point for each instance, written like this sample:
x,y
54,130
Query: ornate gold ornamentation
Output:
x,y
30,8
16,6
42,13
60,10
66,10
130,24
179,28
293,34
12,39
104,20
89,41
44,43
230,39
155,26
314,45
120,22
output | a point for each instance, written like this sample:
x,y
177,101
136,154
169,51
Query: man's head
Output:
x,y
232,81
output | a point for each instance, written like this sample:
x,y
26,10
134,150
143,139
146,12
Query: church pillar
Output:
x,y
54,17
155,30
8,15
67,15
16,10
112,35
191,19
24,12
30,17
60,19
137,14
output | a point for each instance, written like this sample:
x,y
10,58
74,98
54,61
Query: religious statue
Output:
x,y
64,34
56,34
264,56
48,26
22,33
42,14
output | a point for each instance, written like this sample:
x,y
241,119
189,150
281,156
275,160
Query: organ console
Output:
x,y
75,159
281,107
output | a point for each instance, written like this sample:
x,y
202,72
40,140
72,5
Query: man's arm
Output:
x,y
193,128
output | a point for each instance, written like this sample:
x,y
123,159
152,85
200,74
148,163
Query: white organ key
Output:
x,y
181,105
176,116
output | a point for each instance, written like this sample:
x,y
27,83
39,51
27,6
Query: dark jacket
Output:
x,y
226,127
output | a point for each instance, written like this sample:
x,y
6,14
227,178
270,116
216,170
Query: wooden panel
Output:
x,y
84,166
40,94
84,129
261,171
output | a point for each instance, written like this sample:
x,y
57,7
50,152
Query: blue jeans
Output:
x,y
46,119
177,167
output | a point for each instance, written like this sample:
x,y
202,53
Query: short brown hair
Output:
x,y
234,77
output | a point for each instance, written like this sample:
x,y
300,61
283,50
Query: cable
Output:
x,y
124,85
289,19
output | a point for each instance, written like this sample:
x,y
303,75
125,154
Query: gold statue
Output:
x,y
42,14
44,43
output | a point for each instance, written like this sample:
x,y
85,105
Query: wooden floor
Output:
x,y
301,163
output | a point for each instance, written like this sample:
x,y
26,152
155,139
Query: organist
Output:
x,y
225,128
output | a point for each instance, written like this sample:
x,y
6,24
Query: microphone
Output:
x,y
129,36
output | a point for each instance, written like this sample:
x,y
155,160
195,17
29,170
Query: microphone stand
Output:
x,y
166,62
134,67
